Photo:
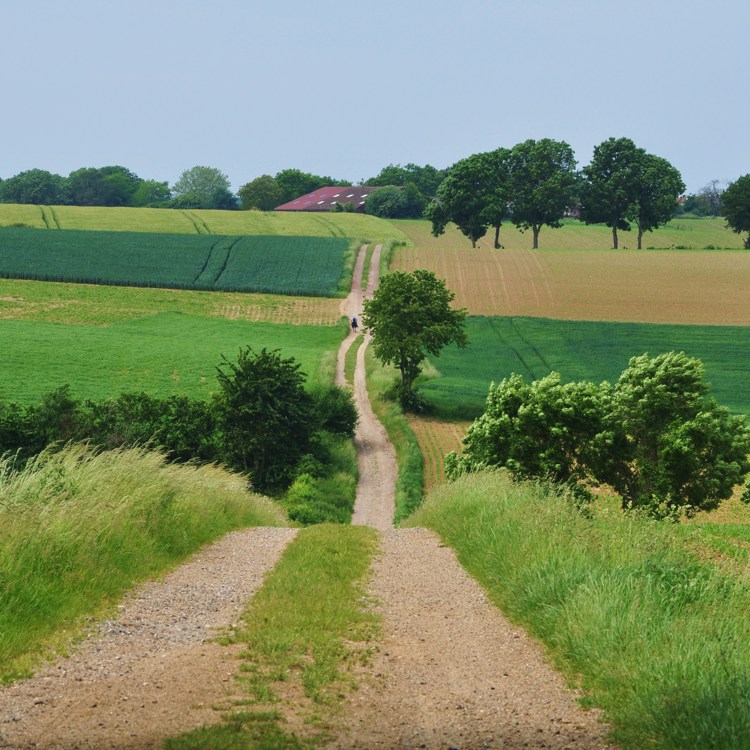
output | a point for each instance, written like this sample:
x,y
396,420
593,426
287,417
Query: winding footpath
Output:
x,y
449,672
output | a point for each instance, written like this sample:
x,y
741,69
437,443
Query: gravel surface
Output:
x,y
451,671
150,672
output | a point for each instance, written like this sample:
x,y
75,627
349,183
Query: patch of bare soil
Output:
x,y
153,671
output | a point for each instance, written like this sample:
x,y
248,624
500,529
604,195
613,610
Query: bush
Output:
x,y
656,437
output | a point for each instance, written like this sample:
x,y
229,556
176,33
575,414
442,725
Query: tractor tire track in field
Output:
x,y
199,224
450,670
208,260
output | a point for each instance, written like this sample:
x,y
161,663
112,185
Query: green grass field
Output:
x,y
581,351
201,221
278,265
165,354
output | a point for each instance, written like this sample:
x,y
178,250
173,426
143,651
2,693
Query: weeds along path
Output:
x,y
151,672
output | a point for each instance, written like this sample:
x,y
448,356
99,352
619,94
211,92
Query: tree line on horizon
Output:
x,y
533,184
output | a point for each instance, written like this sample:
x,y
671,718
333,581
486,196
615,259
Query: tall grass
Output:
x,y
78,528
654,635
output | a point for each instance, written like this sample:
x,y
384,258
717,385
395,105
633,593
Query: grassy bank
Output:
x,y
655,635
104,520
303,632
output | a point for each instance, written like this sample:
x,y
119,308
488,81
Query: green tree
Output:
x,y
392,202
410,317
474,196
659,186
426,179
656,437
34,186
610,185
736,206
102,186
544,430
544,184
293,183
203,187
266,417
152,194
262,194
684,449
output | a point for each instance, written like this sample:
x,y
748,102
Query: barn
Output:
x,y
326,199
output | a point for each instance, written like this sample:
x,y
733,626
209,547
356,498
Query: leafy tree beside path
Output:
x,y
410,317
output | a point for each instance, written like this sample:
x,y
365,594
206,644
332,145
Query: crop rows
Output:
x,y
275,265
585,282
435,439
580,350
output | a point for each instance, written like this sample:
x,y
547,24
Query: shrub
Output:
x,y
656,437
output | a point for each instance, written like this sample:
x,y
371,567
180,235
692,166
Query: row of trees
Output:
x,y
198,187
536,184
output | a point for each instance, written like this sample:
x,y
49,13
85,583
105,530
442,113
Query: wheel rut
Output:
x,y
450,670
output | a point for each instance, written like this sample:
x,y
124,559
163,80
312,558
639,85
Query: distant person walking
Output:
x,y
355,324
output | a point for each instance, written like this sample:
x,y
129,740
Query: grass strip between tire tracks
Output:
x,y
303,633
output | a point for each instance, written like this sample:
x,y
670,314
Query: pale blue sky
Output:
x,y
345,88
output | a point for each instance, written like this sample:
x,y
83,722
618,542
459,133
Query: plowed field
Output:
x,y
577,281
435,439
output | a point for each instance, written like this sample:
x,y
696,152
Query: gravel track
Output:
x,y
151,672
449,672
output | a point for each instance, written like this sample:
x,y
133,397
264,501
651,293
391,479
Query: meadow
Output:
x,y
201,221
574,276
282,265
90,304
164,354
580,350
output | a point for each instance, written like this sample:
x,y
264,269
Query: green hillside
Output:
x,y
200,221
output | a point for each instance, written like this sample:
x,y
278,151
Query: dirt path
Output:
x,y
451,671
149,673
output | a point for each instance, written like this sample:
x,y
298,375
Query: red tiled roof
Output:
x,y
324,199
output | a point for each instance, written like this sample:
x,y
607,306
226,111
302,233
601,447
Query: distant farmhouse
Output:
x,y
328,198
